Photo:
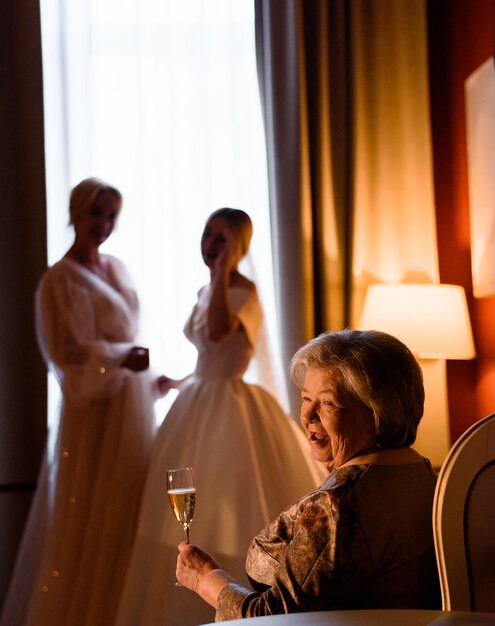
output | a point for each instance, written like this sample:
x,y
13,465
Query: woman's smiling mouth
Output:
x,y
317,436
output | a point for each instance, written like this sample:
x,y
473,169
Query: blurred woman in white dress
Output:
x,y
76,546
249,458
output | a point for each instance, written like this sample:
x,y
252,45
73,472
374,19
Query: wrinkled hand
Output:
x,y
137,360
199,572
193,564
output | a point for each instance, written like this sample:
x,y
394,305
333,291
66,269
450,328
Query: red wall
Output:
x,y
461,37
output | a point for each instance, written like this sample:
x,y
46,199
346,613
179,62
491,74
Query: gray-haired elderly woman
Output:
x,y
364,538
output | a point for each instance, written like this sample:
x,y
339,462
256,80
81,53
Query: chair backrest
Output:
x,y
464,521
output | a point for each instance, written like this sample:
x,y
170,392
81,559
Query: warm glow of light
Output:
x,y
151,95
432,320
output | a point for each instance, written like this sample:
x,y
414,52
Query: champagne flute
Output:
x,y
181,490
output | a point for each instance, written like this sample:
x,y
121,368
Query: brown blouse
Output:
x,y
362,540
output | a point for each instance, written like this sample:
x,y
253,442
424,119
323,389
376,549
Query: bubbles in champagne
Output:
x,y
183,502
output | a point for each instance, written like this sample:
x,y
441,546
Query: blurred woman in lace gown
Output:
x,y
76,546
249,458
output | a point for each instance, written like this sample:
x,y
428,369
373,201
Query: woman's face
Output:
x,y
338,425
96,225
214,241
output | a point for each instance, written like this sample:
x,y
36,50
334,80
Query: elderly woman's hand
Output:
x,y
199,572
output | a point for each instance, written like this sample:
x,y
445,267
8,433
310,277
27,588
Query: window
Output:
x,y
160,98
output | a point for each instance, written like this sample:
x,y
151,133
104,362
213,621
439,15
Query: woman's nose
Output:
x,y
311,414
314,416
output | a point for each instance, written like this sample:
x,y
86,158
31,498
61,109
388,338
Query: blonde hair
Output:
x,y
239,221
378,370
85,194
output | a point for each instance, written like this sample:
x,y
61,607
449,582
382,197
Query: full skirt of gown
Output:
x,y
250,461
76,546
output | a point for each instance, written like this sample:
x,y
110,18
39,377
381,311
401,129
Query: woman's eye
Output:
x,y
305,399
329,403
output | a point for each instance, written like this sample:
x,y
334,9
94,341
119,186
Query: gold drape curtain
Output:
x,y
395,228
305,103
344,90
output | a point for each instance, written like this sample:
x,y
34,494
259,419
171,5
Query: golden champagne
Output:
x,y
183,502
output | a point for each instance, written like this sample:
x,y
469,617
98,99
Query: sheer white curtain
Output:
x,y
160,98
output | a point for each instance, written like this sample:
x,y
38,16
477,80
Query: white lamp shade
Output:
x,y
432,320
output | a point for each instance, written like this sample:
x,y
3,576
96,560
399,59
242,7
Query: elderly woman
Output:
x,y
364,538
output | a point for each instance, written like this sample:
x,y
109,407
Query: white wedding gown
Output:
x,y
249,458
76,545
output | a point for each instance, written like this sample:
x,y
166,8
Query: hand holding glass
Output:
x,y
181,491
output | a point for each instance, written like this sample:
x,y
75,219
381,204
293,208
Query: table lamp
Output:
x,y
433,321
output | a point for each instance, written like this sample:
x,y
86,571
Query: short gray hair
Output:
x,y
378,370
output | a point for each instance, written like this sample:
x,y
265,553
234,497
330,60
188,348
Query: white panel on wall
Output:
x,y
480,129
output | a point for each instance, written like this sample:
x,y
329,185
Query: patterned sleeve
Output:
x,y
247,308
313,558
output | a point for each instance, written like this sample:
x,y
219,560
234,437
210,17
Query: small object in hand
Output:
x,y
144,355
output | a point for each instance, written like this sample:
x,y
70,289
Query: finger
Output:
x,y
184,547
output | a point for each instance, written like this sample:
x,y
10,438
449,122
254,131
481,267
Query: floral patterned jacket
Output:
x,y
362,540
